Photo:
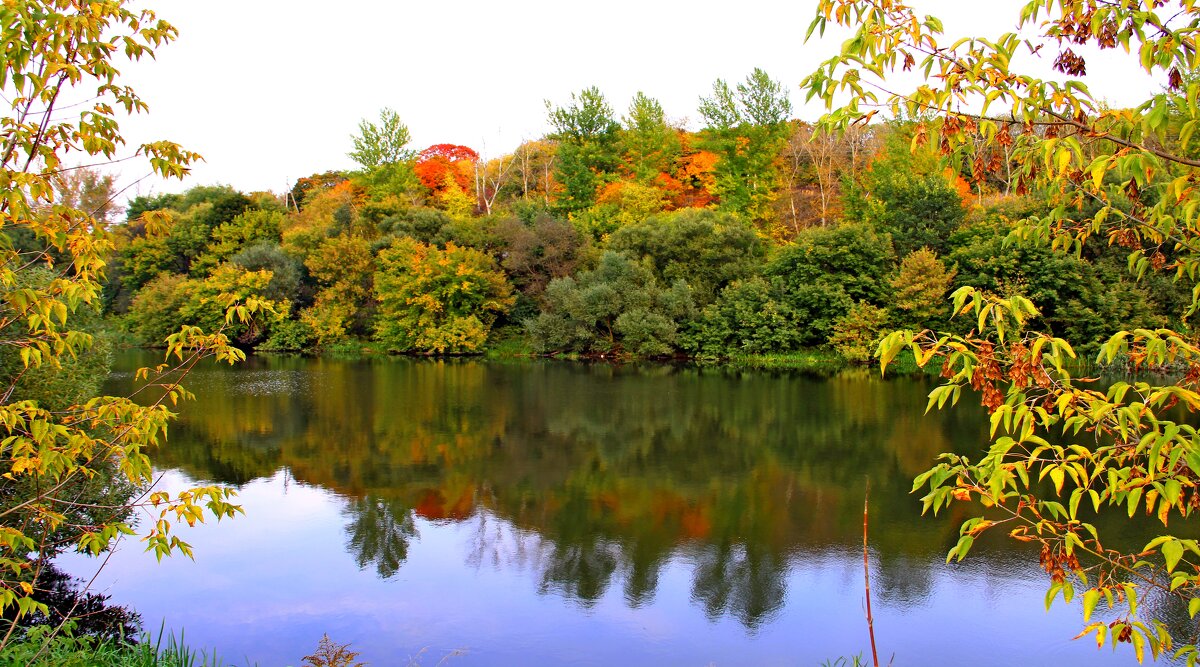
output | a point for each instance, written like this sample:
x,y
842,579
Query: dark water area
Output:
x,y
547,513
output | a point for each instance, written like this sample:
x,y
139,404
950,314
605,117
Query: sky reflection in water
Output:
x,y
574,515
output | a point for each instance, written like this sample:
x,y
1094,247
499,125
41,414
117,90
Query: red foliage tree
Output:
x,y
439,160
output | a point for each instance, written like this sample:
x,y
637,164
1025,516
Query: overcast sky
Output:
x,y
269,91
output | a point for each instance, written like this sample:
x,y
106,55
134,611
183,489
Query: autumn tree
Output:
x,y
62,96
1061,452
343,268
534,165
536,252
695,176
89,190
437,301
823,160
441,161
491,177
312,184
618,204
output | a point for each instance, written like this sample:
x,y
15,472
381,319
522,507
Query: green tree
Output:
x,y
616,307
704,248
1060,450
588,150
649,143
747,129
856,257
229,238
154,313
343,269
55,52
619,205
287,274
919,291
435,301
827,270
907,196
751,317
171,301
383,144
857,333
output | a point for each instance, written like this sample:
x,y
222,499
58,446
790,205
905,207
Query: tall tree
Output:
x,y
747,128
383,144
588,151
649,143
824,160
534,165
491,176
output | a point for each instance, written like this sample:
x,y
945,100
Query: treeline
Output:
x,y
618,235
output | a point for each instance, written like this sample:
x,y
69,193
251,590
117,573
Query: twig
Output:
x,y
867,577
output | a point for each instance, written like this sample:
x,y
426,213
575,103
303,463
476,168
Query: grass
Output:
x,y
808,360
852,661
353,347
39,649
507,344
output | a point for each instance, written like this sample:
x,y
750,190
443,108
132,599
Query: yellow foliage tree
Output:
x,y
344,267
436,301
55,53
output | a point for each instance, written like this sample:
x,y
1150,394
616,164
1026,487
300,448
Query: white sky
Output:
x,y
269,91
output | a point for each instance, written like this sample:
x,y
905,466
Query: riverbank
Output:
x,y
39,649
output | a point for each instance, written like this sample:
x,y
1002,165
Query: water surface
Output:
x,y
549,513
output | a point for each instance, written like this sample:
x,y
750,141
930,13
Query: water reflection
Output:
x,y
602,482
379,532
617,467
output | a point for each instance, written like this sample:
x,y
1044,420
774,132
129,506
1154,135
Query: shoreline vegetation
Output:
x,y
754,240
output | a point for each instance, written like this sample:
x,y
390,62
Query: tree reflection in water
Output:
x,y
595,477
746,583
379,532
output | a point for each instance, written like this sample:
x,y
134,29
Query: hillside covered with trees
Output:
x,y
616,234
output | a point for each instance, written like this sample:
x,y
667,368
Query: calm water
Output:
x,y
545,513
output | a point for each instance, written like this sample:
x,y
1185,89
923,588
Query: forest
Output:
x,y
615,236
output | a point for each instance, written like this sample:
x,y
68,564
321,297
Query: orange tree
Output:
x,y
62,97
1061,451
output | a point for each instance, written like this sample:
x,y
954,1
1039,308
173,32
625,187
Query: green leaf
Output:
x,y
1052,593
960,550
1090,599
1172,551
